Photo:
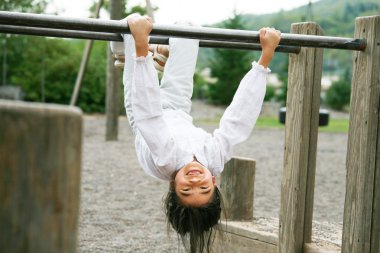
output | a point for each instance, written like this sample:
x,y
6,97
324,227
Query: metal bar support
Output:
x,y
60,33
204,33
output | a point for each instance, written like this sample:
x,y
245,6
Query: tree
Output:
x,y
57,60
338,95
283,77
229,67
36,6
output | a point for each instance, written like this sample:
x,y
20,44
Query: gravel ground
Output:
x,y
121,207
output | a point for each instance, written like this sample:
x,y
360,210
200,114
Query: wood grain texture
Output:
x,y
248,230
40,162
361,225
312,248
237,187
301,131
235,238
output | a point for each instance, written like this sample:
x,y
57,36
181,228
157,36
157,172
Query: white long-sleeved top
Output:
x,y
166,140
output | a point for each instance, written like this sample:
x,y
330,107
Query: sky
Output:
x,y
202,12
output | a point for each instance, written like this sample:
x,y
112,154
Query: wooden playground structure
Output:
x,y
361,224
46,220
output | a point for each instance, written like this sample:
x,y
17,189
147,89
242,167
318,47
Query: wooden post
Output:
x,y
237,186
301,132
361,223
113,83
40,161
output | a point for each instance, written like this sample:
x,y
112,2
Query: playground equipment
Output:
x,y
361,225
105,27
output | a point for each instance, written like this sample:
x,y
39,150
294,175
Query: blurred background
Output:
x,y
45,69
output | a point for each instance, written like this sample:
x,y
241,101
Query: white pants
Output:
x,y
176,86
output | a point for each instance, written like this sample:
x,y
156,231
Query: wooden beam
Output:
x,y
242,237
313,248
301,132
234,243
245,237
361,223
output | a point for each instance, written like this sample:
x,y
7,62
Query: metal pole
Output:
x,y
205,33
117,37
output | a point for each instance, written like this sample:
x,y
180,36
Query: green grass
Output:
x,y
334,126
268,122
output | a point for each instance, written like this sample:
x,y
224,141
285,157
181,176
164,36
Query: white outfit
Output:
x,y
165,137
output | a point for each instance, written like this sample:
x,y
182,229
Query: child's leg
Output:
x,y
177,81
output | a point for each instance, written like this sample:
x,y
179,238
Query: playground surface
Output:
x,y
121,207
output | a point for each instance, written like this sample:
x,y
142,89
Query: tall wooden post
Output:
x,y
40,164
301,132
237,186
113,83
361,225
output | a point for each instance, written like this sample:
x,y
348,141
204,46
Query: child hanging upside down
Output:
x,y
168,145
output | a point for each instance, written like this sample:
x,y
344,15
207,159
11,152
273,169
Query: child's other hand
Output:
x,y
140,27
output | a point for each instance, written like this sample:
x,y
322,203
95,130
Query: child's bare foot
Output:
x,y
160,55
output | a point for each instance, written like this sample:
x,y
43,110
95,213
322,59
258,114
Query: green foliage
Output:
x,y
36,6
93,92
338,95
46,69
283,77
200,86
229,67
270,93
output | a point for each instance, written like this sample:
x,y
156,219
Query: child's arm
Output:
x,y
240,117
157,150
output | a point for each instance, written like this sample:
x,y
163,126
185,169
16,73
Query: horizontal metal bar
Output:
x,y
60,33
204,33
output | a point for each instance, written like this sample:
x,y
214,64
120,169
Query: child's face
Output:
x,y
194,184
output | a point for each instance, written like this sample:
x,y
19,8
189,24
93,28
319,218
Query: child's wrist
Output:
x,y
268,52
266,57
141,39
141,44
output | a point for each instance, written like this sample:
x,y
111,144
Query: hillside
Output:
x,y
336,17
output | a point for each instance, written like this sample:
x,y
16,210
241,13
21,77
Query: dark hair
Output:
x,y
195,225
